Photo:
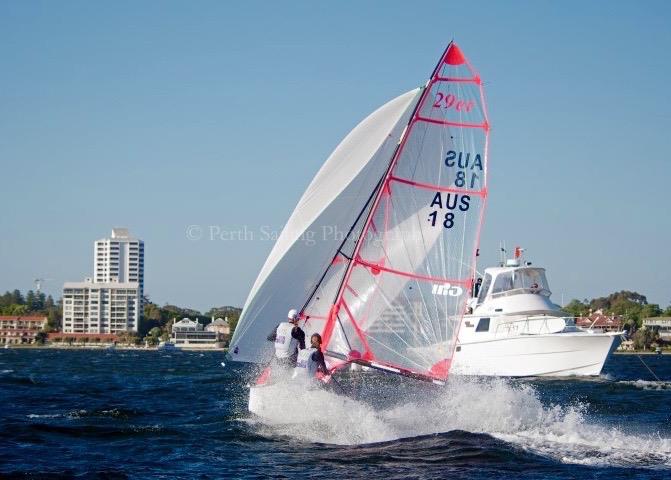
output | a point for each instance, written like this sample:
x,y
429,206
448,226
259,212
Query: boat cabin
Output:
x,y
512,287
506,281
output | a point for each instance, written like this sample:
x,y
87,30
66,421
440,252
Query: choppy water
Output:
x,y
136,414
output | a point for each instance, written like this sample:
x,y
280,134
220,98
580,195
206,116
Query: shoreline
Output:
x,y
109,347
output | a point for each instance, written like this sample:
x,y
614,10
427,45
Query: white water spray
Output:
x,y
508,411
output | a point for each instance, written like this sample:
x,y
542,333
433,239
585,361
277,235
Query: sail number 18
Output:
x,y
447,220
447,201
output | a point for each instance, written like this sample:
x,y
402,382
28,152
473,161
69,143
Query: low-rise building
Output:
x,y
188,333
220,326
660,324
601,321
18,330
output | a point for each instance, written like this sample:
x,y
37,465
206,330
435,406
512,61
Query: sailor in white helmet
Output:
x,y
288,338
310,361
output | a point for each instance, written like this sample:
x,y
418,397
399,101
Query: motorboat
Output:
x,y
513,329
167,346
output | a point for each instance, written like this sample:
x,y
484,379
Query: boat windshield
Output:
x,y
523,280
484,288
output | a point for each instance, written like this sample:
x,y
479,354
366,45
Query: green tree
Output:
x,y
650,310
575,308
31,301
17,298
16,309
41,300
41,338
644,337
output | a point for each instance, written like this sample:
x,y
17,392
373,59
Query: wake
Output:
x,y
512,412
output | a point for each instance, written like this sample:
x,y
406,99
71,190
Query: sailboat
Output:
x,y
397,210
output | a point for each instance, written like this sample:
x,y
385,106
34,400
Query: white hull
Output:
x,y
555,354
257,400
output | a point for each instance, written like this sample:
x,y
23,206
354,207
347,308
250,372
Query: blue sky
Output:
x,y
161,115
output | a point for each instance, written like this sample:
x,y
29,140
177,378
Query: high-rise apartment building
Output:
x,y
111,301
119,258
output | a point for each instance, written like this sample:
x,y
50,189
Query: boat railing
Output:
x,y
531,325
517,291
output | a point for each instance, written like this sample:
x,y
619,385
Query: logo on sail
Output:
x,y
447,289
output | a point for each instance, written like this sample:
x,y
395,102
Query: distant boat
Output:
x,y
167,346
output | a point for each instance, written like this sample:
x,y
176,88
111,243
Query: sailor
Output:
x,y
288,338
476,287
311,361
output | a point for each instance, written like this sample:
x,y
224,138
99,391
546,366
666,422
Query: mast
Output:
x,y
451,96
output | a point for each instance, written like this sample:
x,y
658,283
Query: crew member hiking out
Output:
x,y
310,361
288,338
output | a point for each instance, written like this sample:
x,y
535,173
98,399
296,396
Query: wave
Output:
x,y
647,384
83,413
506,410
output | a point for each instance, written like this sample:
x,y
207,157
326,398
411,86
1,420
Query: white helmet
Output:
x,y
293,314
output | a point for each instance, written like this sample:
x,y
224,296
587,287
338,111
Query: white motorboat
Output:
x,y
515,330
167,345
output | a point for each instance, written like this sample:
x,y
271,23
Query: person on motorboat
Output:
x,y
311,361
288,338
477,286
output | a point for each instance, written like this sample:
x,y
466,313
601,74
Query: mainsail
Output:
x,y
317,226
392,291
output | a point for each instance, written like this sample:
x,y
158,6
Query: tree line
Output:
x,y
633,307
157,322
33,303
155,326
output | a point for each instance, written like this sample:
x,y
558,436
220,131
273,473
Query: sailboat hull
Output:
x,y
556,355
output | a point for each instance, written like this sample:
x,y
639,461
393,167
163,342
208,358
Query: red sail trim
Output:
x,y
429,186
352,291
454,55
428,278
483,125
330,323
475,80
368,354
354,357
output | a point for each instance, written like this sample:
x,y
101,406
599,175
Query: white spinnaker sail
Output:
x,y
325,213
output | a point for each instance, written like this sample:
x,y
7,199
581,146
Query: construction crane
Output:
x,y
38,284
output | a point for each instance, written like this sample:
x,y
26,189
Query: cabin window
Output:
x,y
503,283
523,280
483,325
484,287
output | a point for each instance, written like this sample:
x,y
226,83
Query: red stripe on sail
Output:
x,y
429,186
483,125
428,278
368,354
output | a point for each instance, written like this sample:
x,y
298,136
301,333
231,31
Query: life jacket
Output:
x,y
285,344
306,367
